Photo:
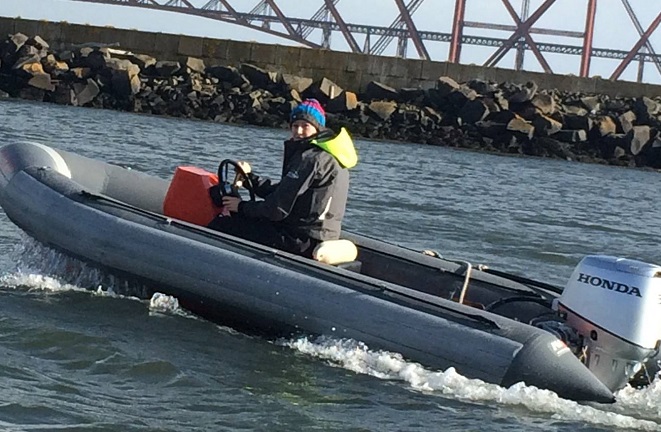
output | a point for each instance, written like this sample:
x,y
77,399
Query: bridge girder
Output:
x,y
267,16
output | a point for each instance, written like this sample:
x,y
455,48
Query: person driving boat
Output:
x,y
307,205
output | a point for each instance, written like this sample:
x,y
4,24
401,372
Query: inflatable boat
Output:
x,y
583,341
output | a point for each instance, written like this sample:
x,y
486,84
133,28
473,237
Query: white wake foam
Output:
x,y
356,357
163,304
45,269
39,267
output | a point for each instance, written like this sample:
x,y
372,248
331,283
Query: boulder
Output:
x,y
574,110
66,55
435,97
473,111
29,51
122,76
95,59
501,100
259,77
382,109
409,117
114,64
482,87
545,125
591,103
626,121
523,93
86,92
446,85
518,124
378,91
638,137
619,152
37,42
227,74
412,95
615,105
53,66
458,98
143,61
295,96
29,65
124,83
166,68
545,103
324,90
577,122
297,83
10,46
41,81
609,144
64,95
430,116
646,108
605,125
525,109
346,101
503,116
491,104
194,64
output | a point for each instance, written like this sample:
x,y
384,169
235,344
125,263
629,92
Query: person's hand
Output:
x,y
245,166
238,179
231,203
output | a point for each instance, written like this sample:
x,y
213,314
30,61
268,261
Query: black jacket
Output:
x,y
311,196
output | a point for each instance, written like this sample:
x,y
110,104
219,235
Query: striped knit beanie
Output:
x,y
311,111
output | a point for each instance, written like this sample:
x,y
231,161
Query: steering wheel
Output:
x,y
228,187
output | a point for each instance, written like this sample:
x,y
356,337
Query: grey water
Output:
x,y
74,359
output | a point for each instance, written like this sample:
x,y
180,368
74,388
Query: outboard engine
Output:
x,y
614,305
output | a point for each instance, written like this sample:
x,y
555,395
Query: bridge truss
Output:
x,y
268,16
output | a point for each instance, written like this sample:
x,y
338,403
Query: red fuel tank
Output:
x,y
188,196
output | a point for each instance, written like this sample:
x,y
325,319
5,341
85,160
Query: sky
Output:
x,y
613,29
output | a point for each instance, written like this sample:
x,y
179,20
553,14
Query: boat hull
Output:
x,y
111,217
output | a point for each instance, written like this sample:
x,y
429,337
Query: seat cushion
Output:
x,y
335,251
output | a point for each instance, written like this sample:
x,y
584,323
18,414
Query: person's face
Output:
x,y
300,129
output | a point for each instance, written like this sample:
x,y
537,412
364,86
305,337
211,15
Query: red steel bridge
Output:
x,y
522,34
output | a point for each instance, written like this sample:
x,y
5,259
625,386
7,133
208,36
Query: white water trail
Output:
x,y
40,268
357,357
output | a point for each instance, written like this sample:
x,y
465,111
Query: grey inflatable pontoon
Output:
x,y
396,299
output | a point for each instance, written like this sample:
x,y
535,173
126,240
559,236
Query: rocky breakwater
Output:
x,y
512,118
